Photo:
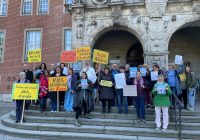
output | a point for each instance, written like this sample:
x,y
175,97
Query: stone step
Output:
x,y
131,109
110,130
130,116
103,122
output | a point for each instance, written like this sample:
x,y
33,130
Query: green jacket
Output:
x,y
162,100
190,80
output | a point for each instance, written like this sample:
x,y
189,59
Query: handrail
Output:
x,y
178,105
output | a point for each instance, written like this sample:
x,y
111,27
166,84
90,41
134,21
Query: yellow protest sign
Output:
x,y
83,53
25,91
106,83
100,56
57,83
34,55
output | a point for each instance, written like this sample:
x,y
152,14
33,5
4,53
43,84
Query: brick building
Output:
x,y
29,24
132,31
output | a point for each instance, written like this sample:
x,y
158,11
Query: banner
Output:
x,y
133,72
83,53
106,83
34,56
84,84
161,88
130,90
58,83
25,91
120,80
100,57
68,56
178,59
154,75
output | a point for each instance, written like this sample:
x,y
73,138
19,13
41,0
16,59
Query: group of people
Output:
x,y
85,88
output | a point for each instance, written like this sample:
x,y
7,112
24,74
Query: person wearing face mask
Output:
x,y
161,92
83,99
19,103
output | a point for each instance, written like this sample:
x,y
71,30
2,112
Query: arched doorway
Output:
x,y
123,47
186,42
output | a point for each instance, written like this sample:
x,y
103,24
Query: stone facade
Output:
x,y
152,22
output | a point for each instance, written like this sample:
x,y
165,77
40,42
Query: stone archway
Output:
x,y
118,42
186,42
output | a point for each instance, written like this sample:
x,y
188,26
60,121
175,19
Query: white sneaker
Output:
x,y
55,111
158,129
51,110
164,129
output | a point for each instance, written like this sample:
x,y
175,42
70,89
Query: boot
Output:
x,y
76,123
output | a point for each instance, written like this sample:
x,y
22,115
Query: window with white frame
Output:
x,y
27,7
3,7
67,2
67,39
43,6
32,41
2,40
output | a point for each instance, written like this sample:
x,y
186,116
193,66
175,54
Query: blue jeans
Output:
x,y
43,102
191,97
140,107
19,107
53,105
122,99
69,101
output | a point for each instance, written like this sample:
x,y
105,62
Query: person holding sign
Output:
x,y
53,94
19,103
69,94
161,92
43,90
120,81
140,99
106,90
83,99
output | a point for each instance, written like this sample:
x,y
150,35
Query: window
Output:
x,y
32,41
67,39
67,2
3,7
2,44
43,6
27,7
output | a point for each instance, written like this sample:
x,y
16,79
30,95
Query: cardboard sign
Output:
x,y
106,83
130,90
120,80
25,91
34,56
68,56
83,53
143,72
154,75
178,59
84,84
100,57
57,83
133,72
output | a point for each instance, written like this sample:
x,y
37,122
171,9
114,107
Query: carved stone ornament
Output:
x,y
79,27
196,7
116,15
100,2
156,8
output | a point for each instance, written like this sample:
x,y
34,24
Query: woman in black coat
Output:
x,y
106,90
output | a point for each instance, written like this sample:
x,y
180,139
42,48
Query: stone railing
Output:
x,y
171,1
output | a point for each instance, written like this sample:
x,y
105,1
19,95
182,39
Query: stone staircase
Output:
x,y
59,125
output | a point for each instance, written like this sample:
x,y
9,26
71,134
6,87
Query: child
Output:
x,y
161,92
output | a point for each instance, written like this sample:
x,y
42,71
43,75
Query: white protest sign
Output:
x,y
120,80
154,75
130,90
178,59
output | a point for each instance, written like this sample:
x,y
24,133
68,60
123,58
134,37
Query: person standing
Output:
x,y
83,99
19,103
161,92
191,90
106,91
140,98
29,76
184,88
69,94
43,90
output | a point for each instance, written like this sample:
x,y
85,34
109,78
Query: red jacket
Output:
x,y
43,86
